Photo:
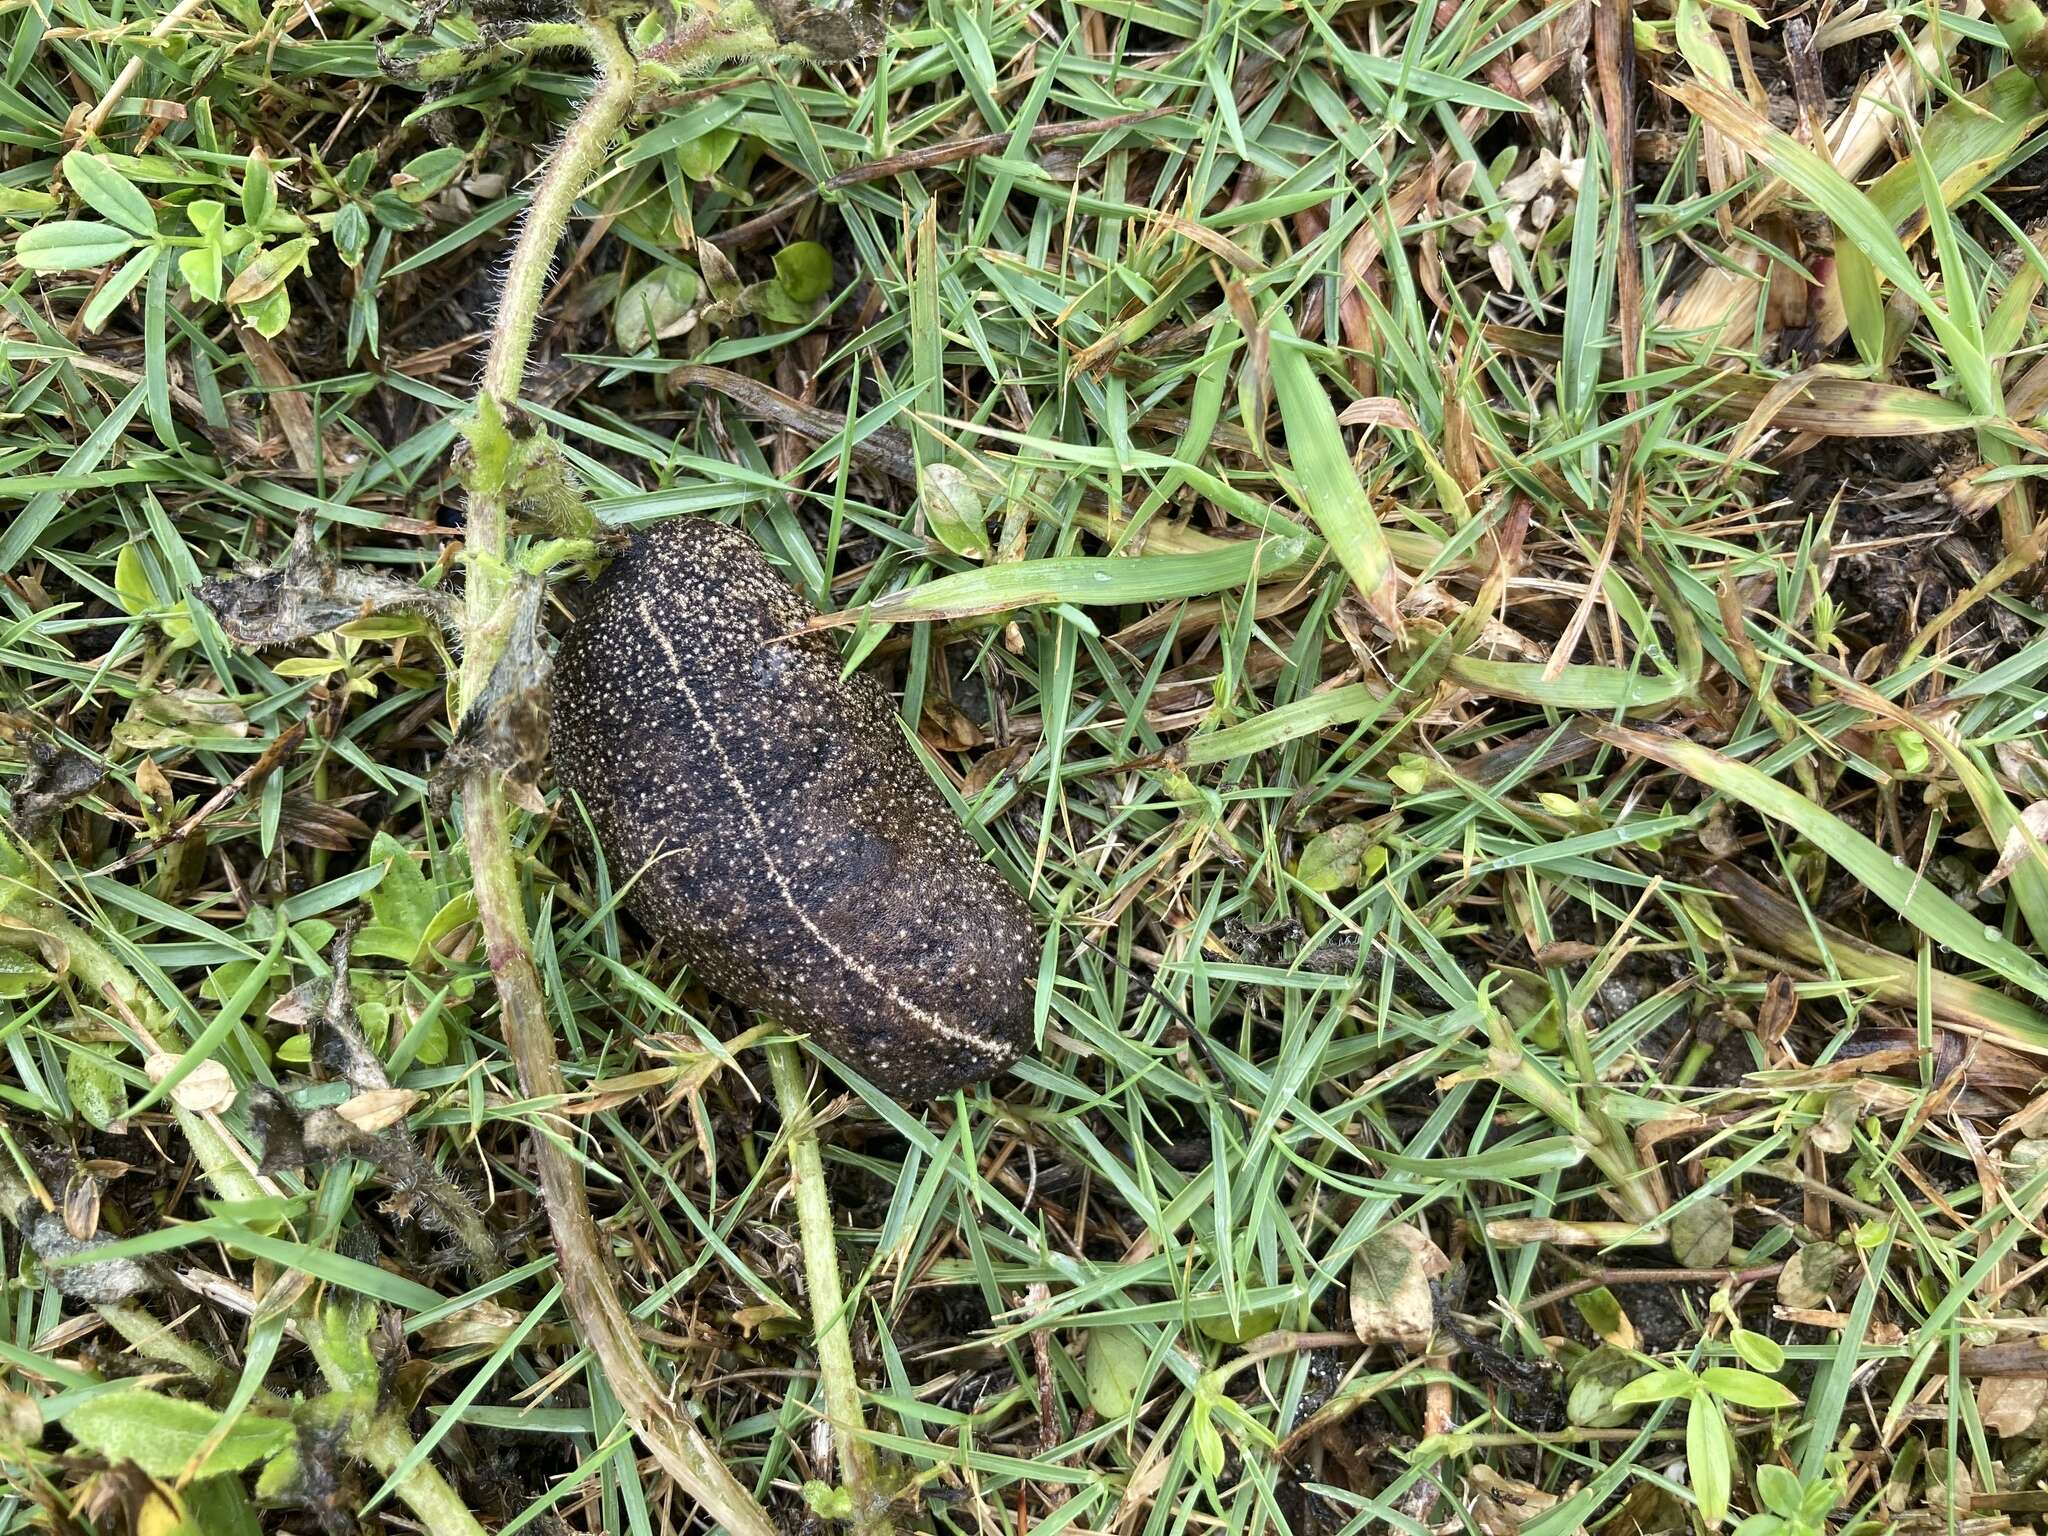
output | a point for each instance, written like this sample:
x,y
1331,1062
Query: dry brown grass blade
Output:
x,y
1722,297
1780,928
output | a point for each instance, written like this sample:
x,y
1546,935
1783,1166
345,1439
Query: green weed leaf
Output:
x,y
1594,1385
1702,1233
953,510
98,1091
1779,1488
1341,858
1117,1360
1710,1458
1763,1353
162,1434
1664,1382
804,270
108,193
402,907
71,246
1746,1389
267,271
659,306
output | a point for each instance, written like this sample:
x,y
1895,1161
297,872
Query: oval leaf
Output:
x,y
20,976
1763,1353
804,270
70,246
1779,1488
1594,1386
1116,1370
1654,1388
97,1090
660,305
267,271
1335,860
162,1434
1746,1389
1810,1275
1702,1233
108,193
953,510
1390,1295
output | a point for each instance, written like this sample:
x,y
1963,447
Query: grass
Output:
x,y
1509,667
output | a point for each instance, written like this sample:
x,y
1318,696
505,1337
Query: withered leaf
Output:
x,y
506,730
1390,1294
2021,839
206,1089
309,594
279,1130
339,1049
1702,1233
1810,1275
2010,1405
97,1283
379,1109
371,1125
82,1206
57,775
291,1139
1780,1008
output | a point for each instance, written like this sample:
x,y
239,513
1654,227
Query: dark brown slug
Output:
x,y
776,826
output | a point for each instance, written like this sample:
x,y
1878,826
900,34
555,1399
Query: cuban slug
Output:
x,y
777,829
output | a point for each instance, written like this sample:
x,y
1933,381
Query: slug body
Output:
x,y
777,828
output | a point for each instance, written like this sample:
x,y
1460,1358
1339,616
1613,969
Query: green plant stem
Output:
x,y
2025,30
384,1440
154,1340
588,1286
451,63
1607,1147
569,169
833,1340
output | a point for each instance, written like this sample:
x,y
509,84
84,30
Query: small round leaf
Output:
x,y
1116,1370
1702,1233
804,270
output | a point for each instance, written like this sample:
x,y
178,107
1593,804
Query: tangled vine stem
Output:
x,y
588,1284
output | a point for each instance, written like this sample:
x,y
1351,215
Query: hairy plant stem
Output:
x,y
381,1438
832,1338
589,1287
153,1339
562,180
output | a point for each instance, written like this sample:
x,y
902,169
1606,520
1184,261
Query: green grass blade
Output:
x,y
1324,479
1900,888
1082,581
